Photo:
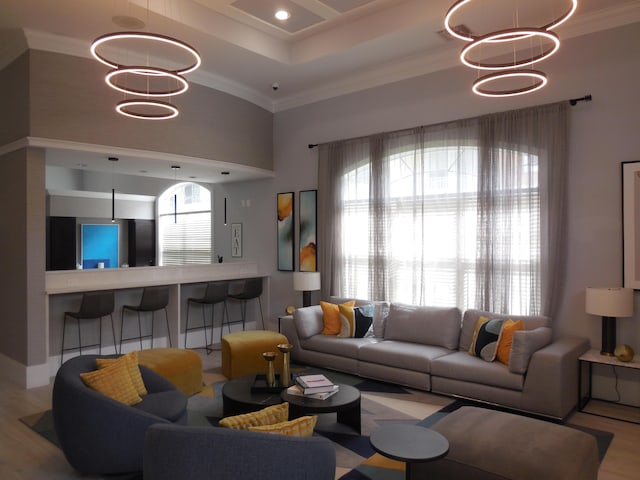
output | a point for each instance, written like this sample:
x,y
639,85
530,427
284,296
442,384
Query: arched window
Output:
x,y
184,225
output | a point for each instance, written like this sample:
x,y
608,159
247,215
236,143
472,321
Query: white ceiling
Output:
x,y
327,48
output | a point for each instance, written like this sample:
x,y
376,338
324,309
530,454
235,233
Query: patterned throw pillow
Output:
x,y
113,381
486,337
331,317
347,321
300,427
364,319
506,339
131,361
267,416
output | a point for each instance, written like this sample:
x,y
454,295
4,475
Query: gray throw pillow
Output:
x,y
525,344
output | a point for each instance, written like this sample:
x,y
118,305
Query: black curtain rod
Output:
x,y
572,101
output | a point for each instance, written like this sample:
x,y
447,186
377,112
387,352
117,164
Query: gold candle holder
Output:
x,y
285,376
271,374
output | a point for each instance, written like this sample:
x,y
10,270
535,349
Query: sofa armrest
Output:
x,y
173,452
551,383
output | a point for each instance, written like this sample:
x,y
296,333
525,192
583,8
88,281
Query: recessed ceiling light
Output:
x,y
282,14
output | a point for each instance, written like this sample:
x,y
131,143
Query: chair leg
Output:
x,y
186,326
79,336
166,317
226,312
64,328
100,336
204,325
153,320
140,331
121,328
243,312
113,331
261,316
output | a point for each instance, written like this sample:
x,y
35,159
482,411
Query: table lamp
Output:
x,y
609,303
306,282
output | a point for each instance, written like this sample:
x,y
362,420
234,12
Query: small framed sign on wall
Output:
x,y
236,239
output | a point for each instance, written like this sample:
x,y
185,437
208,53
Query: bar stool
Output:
x,y
153,299
251,289
216,292
94,305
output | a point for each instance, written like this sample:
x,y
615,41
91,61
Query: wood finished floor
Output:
x,y
26,455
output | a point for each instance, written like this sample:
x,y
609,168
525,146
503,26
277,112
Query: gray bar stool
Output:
x,y
153,300
216,292
94,305
251,289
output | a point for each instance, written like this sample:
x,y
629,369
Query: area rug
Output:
x,y
355,459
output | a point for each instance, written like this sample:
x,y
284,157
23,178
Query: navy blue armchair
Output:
x,y
99,435
174,452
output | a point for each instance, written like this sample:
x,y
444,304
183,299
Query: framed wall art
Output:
x,y
308,230
631,224
285,215
236,239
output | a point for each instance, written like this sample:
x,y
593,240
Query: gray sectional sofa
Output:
x,y
427,348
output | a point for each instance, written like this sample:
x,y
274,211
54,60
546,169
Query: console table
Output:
x,y
593,357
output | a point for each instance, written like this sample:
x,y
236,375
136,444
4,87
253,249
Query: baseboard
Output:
x,y
23,375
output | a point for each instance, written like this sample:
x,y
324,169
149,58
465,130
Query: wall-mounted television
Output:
x,y
99,245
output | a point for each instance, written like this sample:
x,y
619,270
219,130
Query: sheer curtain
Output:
x,y
467,213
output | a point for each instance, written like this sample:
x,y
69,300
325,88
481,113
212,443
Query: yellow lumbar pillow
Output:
x,y
131,362
331,317
300,427
113,381
266,416
506,339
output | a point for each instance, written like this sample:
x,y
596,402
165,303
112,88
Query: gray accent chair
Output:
x,y
174,452
99,435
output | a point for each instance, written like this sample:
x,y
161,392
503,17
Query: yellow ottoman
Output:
x,y
242,352
181,367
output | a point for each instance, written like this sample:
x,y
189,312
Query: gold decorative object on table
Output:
x,y
285,376
289,310
271,374
623,352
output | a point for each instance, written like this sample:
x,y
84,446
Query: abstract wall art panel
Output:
x,y
308,228
285,210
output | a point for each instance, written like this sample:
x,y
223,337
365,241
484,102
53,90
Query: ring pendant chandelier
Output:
x,y
542,44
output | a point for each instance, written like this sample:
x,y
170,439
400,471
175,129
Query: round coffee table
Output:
x,y
345,403
409,444
238,398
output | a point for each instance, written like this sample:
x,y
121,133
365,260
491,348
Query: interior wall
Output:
x,y
70,101
603,133
14,96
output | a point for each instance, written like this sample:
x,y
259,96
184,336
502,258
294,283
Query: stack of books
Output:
x,y
317,386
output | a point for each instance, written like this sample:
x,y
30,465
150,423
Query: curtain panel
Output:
x,y
468,213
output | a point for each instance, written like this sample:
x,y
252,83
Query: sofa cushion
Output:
x,y
331,316
267,416
299,427
471,317
169,404
114,381
462,366
506,339
308,321
486,336
344,347
131,361
525,343
438,326
410,356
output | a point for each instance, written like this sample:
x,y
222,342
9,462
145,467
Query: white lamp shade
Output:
x,y
306,281
609,302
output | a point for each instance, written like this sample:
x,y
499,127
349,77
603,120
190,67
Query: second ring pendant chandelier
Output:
x,y
506,46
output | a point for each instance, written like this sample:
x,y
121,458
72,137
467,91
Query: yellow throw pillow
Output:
x,y
506,339
300,427
131,361
113,381
331,316
347,321
266,416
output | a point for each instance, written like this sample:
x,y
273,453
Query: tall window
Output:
x,y
184,225
468,213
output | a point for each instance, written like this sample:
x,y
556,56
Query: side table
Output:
x,y
590,358
409,443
